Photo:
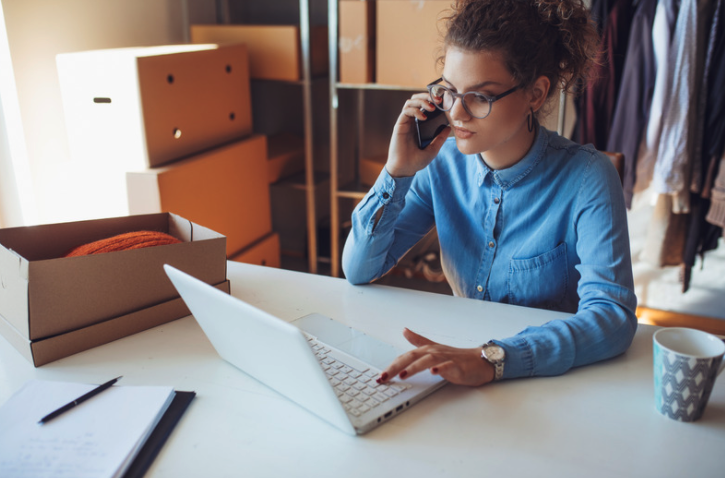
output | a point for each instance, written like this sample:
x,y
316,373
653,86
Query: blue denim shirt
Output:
x,y
549,232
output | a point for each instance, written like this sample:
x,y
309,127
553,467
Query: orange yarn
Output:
x,y
124,242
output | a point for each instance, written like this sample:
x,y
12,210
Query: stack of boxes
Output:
x,y
275,58
178,120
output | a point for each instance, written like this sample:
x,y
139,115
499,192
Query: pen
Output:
x,y
78,400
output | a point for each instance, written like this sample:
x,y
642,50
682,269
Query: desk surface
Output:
x,y
596,421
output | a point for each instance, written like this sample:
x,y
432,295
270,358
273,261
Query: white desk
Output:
x,y
596,421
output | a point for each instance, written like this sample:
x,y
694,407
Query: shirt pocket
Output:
x,y
540,281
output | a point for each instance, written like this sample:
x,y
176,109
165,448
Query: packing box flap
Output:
x,y
43,293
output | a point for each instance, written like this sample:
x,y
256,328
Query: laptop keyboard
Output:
x,y
354,381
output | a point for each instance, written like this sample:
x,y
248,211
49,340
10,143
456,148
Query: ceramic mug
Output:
x,y
686,364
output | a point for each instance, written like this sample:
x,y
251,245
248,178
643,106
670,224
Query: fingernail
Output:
x,y
434,370
383,377
403,374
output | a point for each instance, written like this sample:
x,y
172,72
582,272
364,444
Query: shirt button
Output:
x,y
496,200
491,244
386,195
480,288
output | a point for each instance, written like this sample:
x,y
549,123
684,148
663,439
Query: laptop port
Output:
x,y
387,415
400,407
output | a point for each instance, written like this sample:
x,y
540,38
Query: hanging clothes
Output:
x,y
663,28
599,97
635,94
702,236
677,141
716,214
713,140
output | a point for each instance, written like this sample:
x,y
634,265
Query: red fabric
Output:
x,y
124,242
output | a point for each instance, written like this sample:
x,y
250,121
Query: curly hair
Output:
x,y
554,38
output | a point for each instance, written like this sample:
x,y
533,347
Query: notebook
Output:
x,y
302,359
117,433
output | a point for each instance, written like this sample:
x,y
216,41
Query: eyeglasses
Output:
x,y
476,104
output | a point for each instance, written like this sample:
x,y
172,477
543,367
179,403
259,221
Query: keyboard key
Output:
x,y
349,360
391,393
381,397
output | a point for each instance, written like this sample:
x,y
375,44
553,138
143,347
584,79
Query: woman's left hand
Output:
x,y
459,366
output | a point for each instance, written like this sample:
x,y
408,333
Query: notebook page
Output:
x,y
94,439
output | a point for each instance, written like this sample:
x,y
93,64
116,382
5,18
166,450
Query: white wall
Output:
x,y
37,30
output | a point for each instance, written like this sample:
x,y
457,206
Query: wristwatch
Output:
x,y
495,355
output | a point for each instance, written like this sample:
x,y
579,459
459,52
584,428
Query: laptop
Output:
x,y
322,365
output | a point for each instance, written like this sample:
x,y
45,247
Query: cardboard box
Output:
x,y
225,189
141,107
52,306
274,50
370,168
357,41
409,41
265,252
285,156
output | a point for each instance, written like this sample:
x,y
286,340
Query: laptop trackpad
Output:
x,y
373,351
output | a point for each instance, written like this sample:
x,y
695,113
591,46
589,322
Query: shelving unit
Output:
x,y
348,190
309,181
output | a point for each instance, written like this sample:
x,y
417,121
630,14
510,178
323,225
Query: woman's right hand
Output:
x,y
404,156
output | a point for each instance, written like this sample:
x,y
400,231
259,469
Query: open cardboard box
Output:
x,y
52,306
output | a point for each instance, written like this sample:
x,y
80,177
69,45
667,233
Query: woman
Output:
x,y
523,215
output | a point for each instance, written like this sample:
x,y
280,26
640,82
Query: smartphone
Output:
x,y
430,128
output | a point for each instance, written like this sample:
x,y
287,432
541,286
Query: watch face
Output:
x,y
494,353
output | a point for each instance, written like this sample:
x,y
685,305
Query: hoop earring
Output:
x,y
530,120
